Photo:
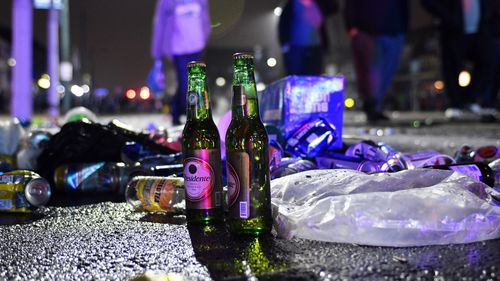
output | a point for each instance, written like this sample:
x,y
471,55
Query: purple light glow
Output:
x,y
22,101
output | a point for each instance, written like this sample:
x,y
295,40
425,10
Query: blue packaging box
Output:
x,y
290,102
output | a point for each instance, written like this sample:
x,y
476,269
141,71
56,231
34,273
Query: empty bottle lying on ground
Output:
x,y
485,154
478,171
156,194
99,177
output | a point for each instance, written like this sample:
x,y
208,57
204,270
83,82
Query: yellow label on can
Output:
x,y
12,199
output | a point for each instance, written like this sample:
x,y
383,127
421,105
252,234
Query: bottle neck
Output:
x,y
245,102
198,101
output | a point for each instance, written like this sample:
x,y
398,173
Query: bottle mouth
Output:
x,y
131,193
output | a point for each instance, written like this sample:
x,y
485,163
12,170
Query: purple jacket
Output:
x,y
180,27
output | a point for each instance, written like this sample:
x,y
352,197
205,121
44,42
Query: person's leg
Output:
x,y
482,53
293,60
452,58
178,107
312,61
492,96
363,50
391,48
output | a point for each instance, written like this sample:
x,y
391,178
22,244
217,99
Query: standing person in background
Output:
x,y
466,28
180,33
302,35
492,96
377,30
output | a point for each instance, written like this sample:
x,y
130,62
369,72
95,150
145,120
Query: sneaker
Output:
x,y
453,113
485,114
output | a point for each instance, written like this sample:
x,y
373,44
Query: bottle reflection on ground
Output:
x,y
229,256
19,218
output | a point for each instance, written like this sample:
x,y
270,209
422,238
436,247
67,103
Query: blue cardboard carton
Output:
x,y
294,100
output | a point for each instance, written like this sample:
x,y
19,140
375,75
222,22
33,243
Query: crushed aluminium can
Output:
x,y
156,194
291,166
380,152
366,150
333,160
23,191
465,154
311,138
427,158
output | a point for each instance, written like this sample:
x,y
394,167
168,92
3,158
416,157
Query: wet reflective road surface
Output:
x,y
113,242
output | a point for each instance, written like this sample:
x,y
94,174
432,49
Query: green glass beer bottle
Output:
x,y
249,194
201,152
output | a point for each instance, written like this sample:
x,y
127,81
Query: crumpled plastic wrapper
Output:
x,y
408,208
11,134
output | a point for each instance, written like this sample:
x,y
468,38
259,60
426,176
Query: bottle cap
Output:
x,y
242,56
196,63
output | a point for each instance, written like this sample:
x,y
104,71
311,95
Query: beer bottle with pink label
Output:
x,y
201,152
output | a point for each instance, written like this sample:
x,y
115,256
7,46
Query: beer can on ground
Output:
x,y
156,194
339,161
312,138
464,154
23,191
426,158
378,152
292,166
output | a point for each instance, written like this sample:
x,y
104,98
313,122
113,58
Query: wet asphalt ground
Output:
x,y
103,239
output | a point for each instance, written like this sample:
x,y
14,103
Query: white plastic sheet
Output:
x,y
408,208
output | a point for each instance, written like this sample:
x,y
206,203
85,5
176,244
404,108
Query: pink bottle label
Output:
x,y
198,179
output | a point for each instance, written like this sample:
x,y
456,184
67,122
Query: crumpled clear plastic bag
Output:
x,y
408,208
11,134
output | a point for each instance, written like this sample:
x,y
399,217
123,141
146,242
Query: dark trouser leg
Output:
x,y
482,54
390,48
363,46
452,56
491,98
303,60
179,102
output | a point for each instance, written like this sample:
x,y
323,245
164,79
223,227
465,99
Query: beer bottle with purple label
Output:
x,y
201,152
249,195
